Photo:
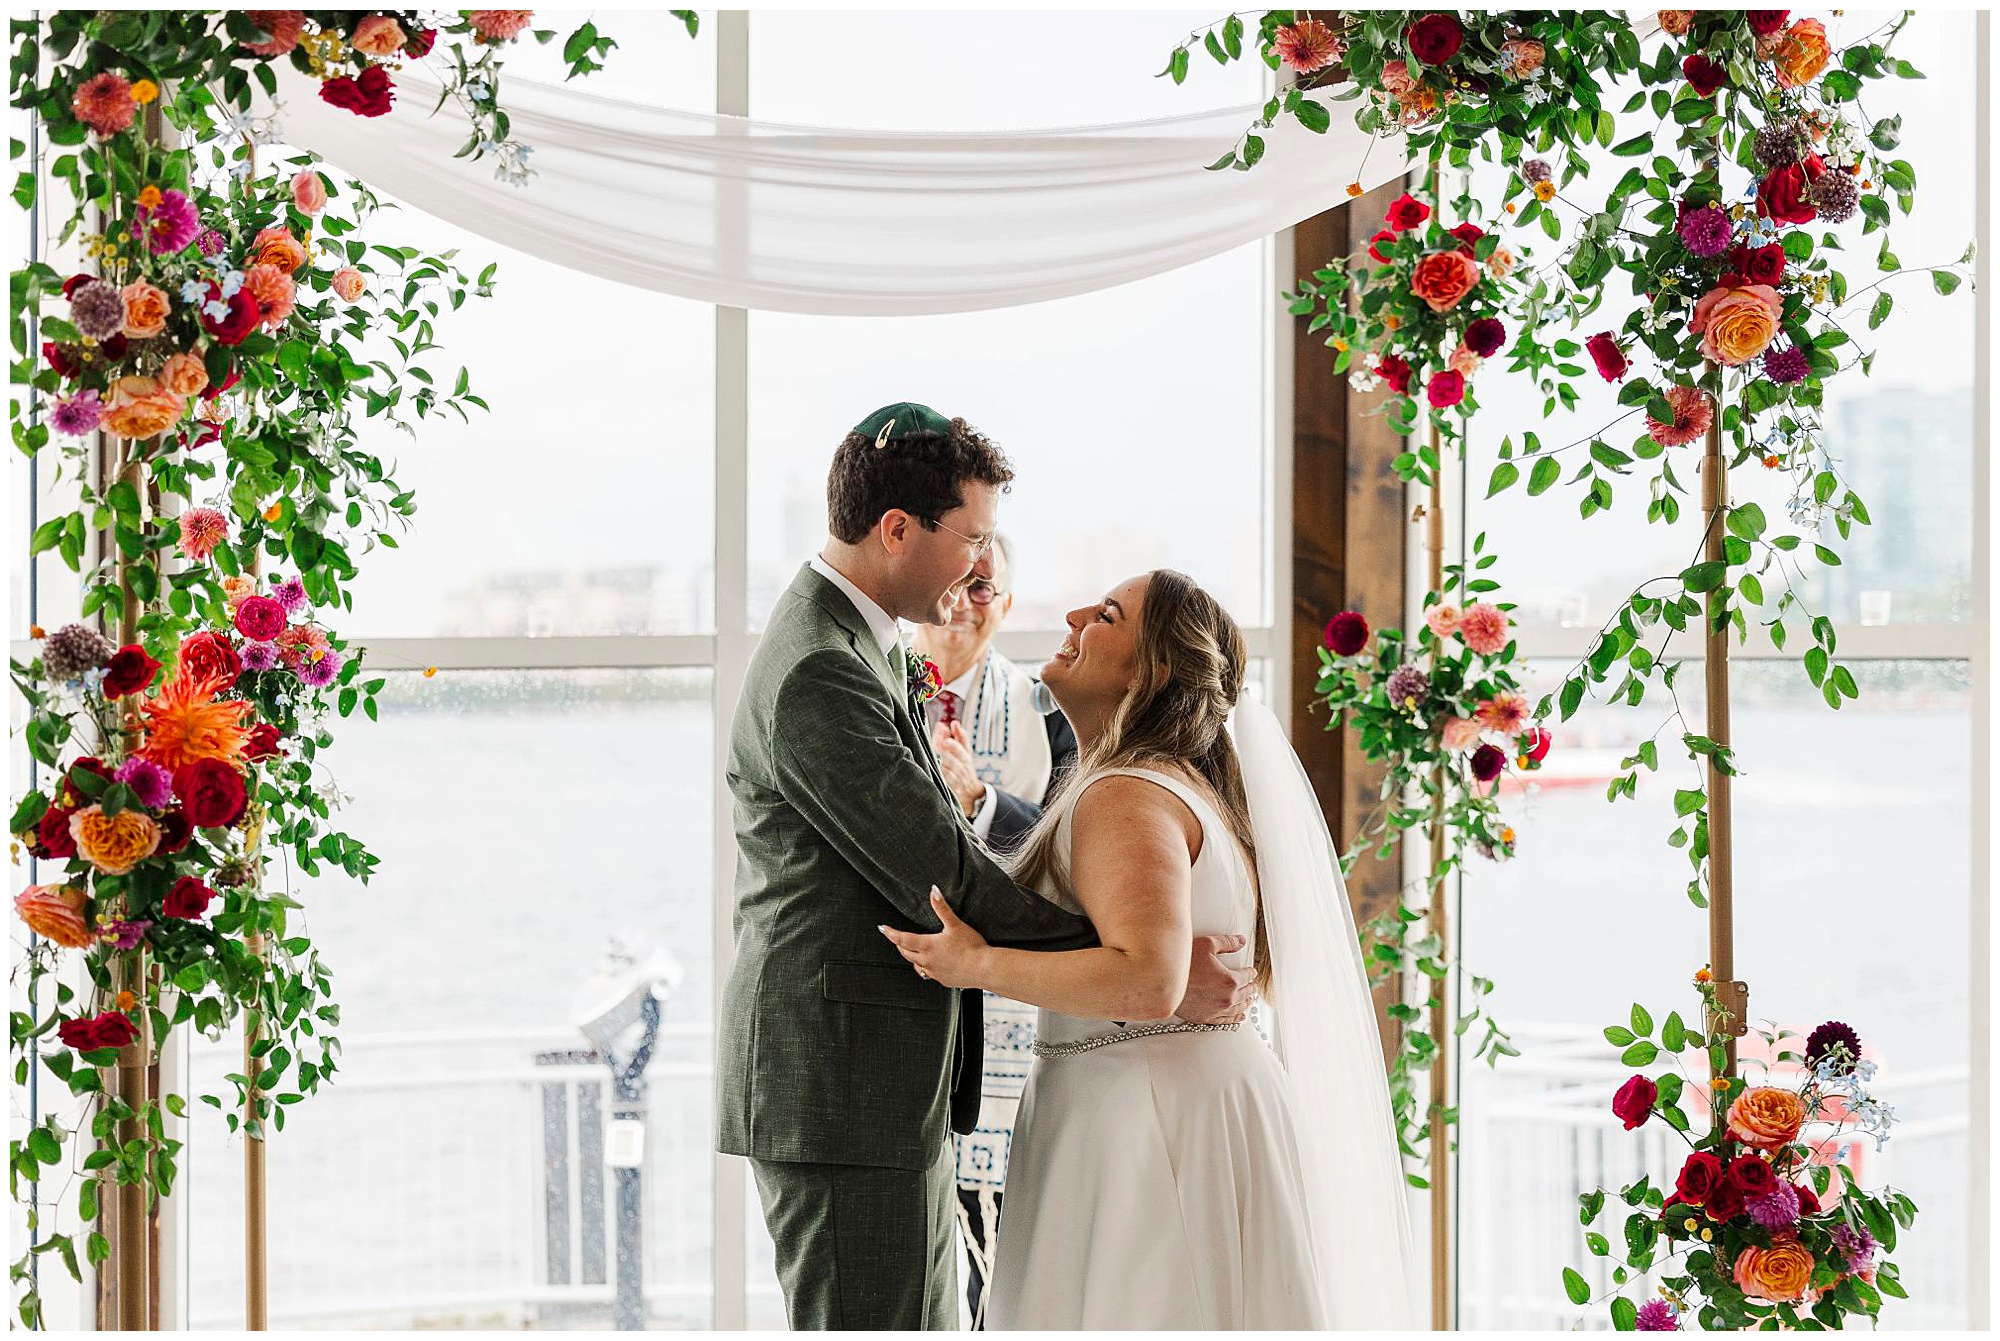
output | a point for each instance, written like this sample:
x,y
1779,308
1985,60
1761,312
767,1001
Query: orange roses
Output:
x,y
1736,325
55,913
1778,1274
1765,1117
146,310
184,375
141,408
348,283
1801,54
1443,278
277,246
114,844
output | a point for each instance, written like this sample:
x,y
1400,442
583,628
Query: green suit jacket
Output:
x,y
830,1048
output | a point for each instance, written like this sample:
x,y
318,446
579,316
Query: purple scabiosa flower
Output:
x,y
260,656
153,785
1777,1208
1786,365
291,593
1657,1315
1535,170
74,650
74,416
1704,231
320,673
1408,686
1855,1246
169,226
122,933
210,243
98,310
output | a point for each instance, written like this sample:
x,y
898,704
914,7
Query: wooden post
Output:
x,y
1348,518
1440,927
1732,995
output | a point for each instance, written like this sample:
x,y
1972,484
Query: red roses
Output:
x,y
130,671
1375,246
1764,22
1783,194
1757,265
1721,1190
1699,1177
1704,76
234,326
109,1030
1633,1103
262,742
210,656
187,900
1468,234
1609,358
1445,389
1406,211
211,792
1395,370
370,94
1435,38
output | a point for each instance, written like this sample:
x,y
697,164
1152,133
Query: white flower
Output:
x,y
232,280
193,291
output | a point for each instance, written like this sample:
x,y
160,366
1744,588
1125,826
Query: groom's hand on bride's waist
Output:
x,y
1217,993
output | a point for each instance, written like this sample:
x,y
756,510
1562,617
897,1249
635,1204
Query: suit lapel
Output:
x,y
895,678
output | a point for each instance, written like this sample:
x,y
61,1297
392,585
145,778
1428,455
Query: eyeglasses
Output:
x,y
981,592
980,543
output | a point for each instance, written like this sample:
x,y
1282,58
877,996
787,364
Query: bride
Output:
x,y
1164,1174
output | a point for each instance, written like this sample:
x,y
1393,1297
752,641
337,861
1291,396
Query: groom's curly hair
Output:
x,y
922,474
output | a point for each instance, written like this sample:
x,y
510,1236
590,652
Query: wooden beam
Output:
x,y
1348,544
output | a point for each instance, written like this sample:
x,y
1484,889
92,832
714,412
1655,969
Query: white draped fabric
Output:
x,y
755,214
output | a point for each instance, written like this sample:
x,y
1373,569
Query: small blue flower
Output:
x,y
215,311
232,280
193,291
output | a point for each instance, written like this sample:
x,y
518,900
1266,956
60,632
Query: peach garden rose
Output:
x,y
114,844
1778,1274
146,309
184,375
1802,54
1736,325
1766,1117
141,408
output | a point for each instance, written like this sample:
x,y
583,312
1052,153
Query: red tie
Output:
x,y
947,707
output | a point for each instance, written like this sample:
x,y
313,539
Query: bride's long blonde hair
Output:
x,y
1190,662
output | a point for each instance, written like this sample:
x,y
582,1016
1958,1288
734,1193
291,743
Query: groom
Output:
x,y
839,1070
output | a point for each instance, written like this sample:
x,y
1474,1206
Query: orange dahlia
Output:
x,y
186,723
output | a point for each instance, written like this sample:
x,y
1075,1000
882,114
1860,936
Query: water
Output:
x,y
523,817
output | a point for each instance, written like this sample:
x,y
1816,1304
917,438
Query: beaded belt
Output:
x,y
1137,1031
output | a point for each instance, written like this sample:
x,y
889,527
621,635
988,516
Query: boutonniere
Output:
x,y
925,679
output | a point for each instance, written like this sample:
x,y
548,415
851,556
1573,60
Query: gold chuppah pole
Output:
x,y
1732,996
1441,1031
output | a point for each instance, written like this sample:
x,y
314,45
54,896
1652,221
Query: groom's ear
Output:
x,y
893,530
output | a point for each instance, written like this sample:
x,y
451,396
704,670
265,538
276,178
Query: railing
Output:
x,y
454,1182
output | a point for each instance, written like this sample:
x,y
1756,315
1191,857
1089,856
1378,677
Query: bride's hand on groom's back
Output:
x,y
1217,993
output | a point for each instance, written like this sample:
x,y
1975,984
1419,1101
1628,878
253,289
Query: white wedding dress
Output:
x,y
1155,1181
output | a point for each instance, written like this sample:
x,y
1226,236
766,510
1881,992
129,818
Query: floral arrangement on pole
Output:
x,y
1452,81
193,769
1444,709
1766,1225
1422,320
232,330
1743,320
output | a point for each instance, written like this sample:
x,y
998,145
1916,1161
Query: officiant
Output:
x,y
1002,758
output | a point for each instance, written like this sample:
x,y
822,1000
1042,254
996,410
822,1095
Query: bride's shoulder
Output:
x,y
1116,800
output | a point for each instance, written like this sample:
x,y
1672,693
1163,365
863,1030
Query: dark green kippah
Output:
x,y
892,423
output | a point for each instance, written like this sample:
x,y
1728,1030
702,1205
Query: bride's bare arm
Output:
x,y
1132,854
